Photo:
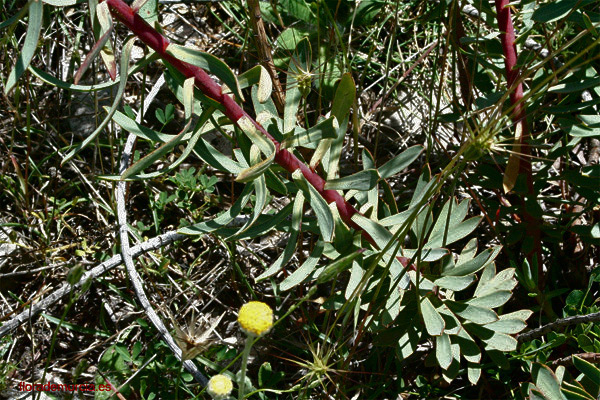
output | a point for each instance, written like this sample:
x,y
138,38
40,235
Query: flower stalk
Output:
x,y
520,161
256,320
244,368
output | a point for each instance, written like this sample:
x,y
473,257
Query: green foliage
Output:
x,y
166,116
153,381
6,367
438,274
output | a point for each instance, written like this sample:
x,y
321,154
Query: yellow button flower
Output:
x,y
219,387
255,318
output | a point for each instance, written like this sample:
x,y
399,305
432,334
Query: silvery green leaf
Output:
x,y
434,323
307,267
443,351
209,63
318,204
491,300
476,314
455,283
508,326
34,27
400,162
546,382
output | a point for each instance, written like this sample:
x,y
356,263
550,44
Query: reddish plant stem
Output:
x,y
519,117
232,110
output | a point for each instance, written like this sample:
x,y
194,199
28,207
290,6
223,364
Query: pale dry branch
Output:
x,y
66,289
558,325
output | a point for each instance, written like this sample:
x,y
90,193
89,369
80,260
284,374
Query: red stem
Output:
x,y
519,117
232,110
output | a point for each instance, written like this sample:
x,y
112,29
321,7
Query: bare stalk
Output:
x,y
558,325
522,154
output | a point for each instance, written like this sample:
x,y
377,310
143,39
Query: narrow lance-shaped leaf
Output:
x,y
553,11
17,17
255,76
300,137
356,275
400,162
502,342
299,275
423,189
263,143
589,370
407,344
175,79
106,52
508,326
255,171
319,154
318,204
188,98
450,227
290,247
34,26
468,348
263,225
514,161
575,392
340,108
479,315
455,283
260,189
502,281
337,267
209,63
265,85
427,255
61,3
392,304
157,154
362,180
123,70
344,97
491,300
380,235
140,130
471,266
98,46
135,170
473,373
45,77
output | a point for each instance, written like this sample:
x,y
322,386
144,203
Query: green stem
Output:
x,y
178,380
242,383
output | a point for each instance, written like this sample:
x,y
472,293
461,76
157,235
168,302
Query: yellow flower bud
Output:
x,y
256,318
219,387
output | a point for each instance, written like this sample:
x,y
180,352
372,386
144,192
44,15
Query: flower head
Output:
x,y
256,318
195,339
219,387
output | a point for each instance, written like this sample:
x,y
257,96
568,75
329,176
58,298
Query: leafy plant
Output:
x,y
166,116
395,258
